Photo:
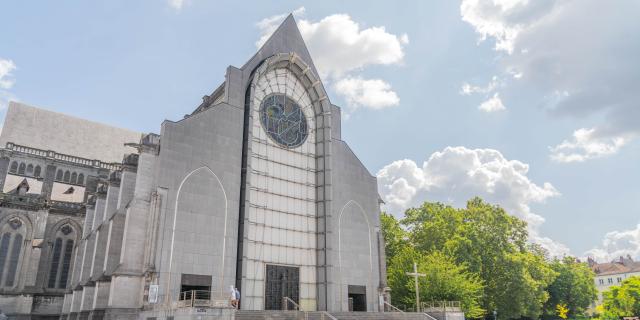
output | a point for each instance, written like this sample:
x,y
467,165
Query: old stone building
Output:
x,y
254,189
51,174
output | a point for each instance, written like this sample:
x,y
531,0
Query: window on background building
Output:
x,y
61,257
601,281
74,178
22,168
30,169
37,172
13,234
59,175
67,176
81,178
610,280
619,279
14,167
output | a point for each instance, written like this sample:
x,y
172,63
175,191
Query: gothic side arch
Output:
x,y
15,234
360,211
206,171
61,239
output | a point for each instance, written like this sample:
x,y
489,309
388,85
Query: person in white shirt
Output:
x,y
237,298
234,302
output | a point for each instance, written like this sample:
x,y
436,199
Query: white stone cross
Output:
x,y
415,275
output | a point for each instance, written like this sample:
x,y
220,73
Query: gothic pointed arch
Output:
x,y
14,167
303,72
15,232
61,240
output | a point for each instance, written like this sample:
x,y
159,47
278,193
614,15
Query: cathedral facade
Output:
x,y
254,189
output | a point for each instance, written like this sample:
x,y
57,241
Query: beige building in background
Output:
x,y
612,274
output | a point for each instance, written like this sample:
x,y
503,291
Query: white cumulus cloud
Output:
x,y
587,144
468,89
504,20
493,104
457,174
341,48
585,49
616,244
374,93
6,81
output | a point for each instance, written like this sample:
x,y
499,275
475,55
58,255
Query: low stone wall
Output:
x,y
16,304
191,314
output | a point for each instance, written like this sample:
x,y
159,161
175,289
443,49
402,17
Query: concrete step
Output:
x,y
268,315
379,316
295,315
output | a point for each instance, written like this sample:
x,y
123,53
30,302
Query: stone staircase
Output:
x,y
297,315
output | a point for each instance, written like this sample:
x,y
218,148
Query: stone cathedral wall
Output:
x,y
199,170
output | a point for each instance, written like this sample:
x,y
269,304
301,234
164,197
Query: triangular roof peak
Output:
x,y
285,39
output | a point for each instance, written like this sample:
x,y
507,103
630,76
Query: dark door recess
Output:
x,y
357,298
281,282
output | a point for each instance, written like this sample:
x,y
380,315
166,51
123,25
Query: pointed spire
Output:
x,y
286,39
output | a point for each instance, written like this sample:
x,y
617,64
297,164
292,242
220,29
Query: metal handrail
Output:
x,y
327,314
393,307
441,304
200,298
285,304
429,316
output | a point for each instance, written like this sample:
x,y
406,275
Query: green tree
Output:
x,y
444,281
623,300
574,287
491,244
395,238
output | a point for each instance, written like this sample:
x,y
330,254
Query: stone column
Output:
x,y
111,205
77,264
66,305
101,299
88,293
127,281
99,210
4,168
76,301
114,244
49,176
36,266
97,263
86,261
88,220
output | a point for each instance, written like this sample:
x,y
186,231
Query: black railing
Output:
x,y
201,298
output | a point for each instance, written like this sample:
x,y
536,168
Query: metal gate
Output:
x,y
281,282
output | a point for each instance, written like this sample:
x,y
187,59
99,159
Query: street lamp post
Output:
x,y
415,275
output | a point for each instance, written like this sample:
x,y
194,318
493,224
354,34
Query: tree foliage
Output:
x,y
444,280
394,236
573,287
623,300
479,255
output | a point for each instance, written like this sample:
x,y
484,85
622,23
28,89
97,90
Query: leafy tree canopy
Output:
x,y
623,300
573,287
479,255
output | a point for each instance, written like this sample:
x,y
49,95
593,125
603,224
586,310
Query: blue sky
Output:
x,y
531,105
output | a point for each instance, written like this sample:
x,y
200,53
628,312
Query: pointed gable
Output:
x,y
286,39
